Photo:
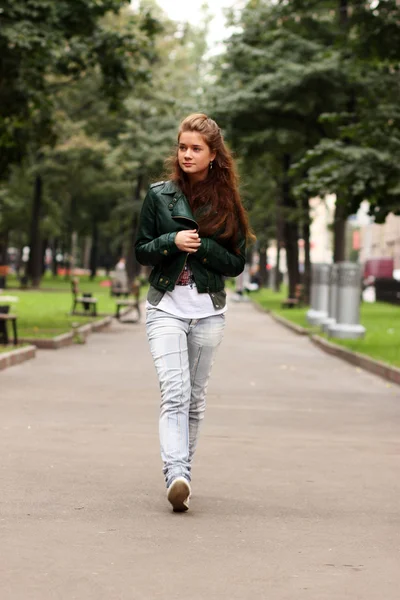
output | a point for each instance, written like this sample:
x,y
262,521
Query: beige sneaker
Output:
x,y
178,494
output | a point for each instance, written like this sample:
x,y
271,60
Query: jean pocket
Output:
x,y
151,314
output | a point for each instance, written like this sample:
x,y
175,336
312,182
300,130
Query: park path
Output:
x,y
296,481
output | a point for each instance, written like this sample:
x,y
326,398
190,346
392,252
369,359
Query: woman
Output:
x,y
192,231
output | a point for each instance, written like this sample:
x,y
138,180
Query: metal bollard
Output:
x,y
271,278
332,300
347,324
319,293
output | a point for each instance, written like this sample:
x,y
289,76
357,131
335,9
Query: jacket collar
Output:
x,y
179,204
170,188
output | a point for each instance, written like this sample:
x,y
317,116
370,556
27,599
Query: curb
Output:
x,y
83,331
55,343
101,325
67,339
281,320
16,357
125,312
298,329
371,365
260,308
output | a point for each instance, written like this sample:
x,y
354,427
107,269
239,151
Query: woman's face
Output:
x,y
194,155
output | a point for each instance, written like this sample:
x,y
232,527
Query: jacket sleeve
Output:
x,y
214,256
151,248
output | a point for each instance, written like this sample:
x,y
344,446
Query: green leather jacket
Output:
x,y
166,211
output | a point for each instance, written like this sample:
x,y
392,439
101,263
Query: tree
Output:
x,y
361,160
315,86
96,169
259,192
148,131
279,80
39,38
47,47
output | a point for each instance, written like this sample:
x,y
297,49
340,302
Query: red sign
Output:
x,y
356,240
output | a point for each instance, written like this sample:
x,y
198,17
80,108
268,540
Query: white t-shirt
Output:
x,y
185,301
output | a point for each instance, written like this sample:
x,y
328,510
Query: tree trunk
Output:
x,y
74,250
279,239
87,247
45,245
69,238
132,266
339,224
54,247
307,251
22,268
339,232
3,259
290,230
343,12
94,250
307,263
292,256
277,280
35,255
262,263
3,248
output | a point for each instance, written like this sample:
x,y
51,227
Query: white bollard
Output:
x,y
332,300
347,324
319,293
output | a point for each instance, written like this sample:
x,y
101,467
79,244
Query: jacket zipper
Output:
x,y
184,264
197,225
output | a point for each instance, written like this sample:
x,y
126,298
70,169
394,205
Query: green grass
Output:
x,y
271,300
46,314
382,340
60,284
381,320
10,348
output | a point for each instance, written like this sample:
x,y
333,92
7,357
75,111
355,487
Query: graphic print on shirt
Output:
x,y
186,277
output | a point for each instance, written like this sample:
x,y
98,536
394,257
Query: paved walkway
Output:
x,y
296,482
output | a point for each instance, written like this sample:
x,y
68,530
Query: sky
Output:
x,y
190,10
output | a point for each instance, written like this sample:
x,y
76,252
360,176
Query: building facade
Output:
x,y
381,241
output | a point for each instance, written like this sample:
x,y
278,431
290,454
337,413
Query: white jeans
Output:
x,y
183,351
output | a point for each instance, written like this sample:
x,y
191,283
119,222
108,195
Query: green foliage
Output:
x,y
101,155
147,125
47,314
279,80
359,159
315,85
272,301
41,40
279,76
92,93
259,191
382,322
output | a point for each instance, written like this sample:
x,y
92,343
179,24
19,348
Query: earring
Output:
x,y
211,165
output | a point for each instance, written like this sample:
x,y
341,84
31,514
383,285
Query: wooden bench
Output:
x,y
298,299
119,284
130,303
117,289
89,304
6,317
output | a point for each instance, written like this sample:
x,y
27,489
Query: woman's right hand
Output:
x,y
188,241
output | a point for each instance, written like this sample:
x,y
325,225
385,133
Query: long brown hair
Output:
x,y
214,201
